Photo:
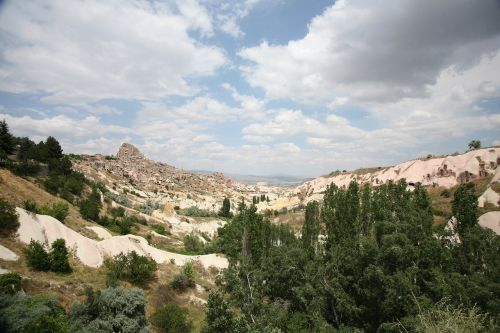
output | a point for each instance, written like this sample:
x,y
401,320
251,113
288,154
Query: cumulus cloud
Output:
x,y
83,51
376,51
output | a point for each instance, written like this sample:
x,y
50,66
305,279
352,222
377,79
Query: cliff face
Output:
x,y
129,152
443,171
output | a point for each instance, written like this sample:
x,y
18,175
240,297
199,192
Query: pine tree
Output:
x,y
226,208
7,144
59,257
53,147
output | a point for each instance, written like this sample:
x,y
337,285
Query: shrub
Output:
x,y
185,279
59,257
196,212
37,257
172,319
10,283
445,193
33,314
132,267
193,244
59,210
117,212
111,310
8,218
24,168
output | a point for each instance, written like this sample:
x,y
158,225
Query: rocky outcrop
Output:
x,y
129,152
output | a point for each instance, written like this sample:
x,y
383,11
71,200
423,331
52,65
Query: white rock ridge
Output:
x,y
92,253
444,171
7,254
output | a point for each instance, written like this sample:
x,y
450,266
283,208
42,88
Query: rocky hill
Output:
x,y
130,173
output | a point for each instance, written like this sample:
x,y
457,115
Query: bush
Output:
x,y
445,193
37,257
59,257
117,212
31,206
10,283
196,212
172,319
131,267
111,310
193,244
59,211
185,279
33,314
8,218
24,168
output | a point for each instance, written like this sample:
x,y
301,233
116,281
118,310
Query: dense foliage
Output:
x,y
39,259
368,261
131,267
111,310
10,283
171,318
8,218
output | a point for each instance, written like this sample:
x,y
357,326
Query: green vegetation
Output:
x,y
131,267
376,267
90,207
225,210
111,310
196,212
193,244
474,144
40,260
10,283
58,210
171,318
185,279
8,219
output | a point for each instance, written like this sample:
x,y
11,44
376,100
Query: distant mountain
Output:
x,y
271,180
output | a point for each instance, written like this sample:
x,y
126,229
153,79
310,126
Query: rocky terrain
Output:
x,y
130,173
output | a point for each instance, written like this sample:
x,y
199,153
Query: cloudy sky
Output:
x,y
292,87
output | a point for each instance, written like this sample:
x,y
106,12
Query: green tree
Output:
x,y
58,210
474,144
111,310
8,218
132,267
226,208
54,150
37,257
219,317
464,208
7,145
90,207
311,227
171,318
58,257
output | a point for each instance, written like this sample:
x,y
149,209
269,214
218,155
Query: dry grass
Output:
x,y
294,219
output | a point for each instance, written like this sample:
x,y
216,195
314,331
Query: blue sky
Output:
x,y
252,86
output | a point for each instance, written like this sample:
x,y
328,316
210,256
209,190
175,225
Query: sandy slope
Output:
x,y
100,232
491,221
7,254
91,252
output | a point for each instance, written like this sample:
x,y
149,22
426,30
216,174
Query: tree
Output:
x,y
171,318
111,310
8,218
464,208
219,317
185,279
59,262
54,150
90,207
132,267
33,314
37,257
226,208
310,229
7,145
59,210
474,144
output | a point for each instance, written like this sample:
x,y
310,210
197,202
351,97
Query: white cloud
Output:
x,y
229,13
84,51
374,51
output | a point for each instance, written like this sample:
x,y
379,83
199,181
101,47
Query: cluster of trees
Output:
x,y
55,260
106,311
368,260
261,198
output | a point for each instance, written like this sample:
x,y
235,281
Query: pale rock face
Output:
x,y
491,221
443,171
7,254
47,229
128,151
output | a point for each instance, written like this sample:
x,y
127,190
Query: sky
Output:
x,y
264,87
